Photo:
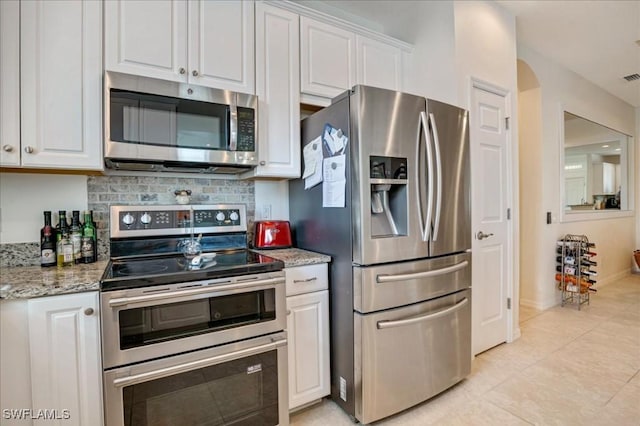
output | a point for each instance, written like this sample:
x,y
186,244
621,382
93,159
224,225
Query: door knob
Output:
x,y
481,235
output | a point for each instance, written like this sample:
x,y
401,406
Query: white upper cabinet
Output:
x,y
210,43
278,90
328,59
10,83
61,84
221,44
146,38
379,64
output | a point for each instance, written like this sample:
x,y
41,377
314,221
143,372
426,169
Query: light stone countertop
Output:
x,y
296,257
25,282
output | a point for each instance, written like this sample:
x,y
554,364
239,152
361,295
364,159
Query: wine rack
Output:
x,y
575,273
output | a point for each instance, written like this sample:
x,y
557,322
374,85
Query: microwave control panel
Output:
x,y
246,129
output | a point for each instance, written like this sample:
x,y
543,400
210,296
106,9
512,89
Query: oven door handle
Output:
x,y
188,366
399,323
124,301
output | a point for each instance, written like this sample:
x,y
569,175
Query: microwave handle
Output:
x,y
233,124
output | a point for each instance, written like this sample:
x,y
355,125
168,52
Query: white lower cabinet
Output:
x,y
308,335
66,368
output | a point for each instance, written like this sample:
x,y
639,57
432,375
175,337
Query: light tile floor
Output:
x,y
569,367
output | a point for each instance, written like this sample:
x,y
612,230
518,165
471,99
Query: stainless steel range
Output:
x,y
190,337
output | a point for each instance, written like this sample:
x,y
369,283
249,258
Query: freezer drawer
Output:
x,y
407,355
403,283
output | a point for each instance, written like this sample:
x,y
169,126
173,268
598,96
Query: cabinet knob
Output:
x,y
262,163
195,73
28,149
182,71
7,148
88,311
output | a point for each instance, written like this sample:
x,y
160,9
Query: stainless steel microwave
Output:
x,y
159,125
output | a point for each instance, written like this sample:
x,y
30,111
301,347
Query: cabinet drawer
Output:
x,y
305,279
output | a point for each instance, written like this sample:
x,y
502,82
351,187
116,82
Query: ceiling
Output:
x,y
595,39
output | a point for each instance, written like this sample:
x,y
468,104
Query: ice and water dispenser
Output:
x,y
388,179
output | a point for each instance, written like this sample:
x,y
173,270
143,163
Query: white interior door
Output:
x,y
490,244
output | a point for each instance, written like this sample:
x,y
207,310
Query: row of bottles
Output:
x,y
68,244
575,272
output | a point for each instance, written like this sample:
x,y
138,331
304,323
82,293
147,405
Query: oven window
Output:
x,y
239,392
153,324
165,121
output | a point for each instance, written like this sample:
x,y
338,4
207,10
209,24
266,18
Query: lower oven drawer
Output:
x,y
409,354
242,383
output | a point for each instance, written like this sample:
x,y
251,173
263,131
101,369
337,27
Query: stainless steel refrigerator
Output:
x,y
400,277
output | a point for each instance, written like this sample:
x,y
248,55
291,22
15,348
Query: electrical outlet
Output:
x,y
265,212
343,389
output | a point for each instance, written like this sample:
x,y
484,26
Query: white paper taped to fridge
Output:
x,y
334,184
312,156
334,139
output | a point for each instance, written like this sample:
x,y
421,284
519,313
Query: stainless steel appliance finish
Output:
x,y
175,307
237,151
378,287
191,342
401,262
397,369
239,383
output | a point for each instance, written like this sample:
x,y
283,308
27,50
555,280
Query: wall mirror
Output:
x,y
596,167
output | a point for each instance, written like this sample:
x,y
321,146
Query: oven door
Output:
x,y
243,383
153,322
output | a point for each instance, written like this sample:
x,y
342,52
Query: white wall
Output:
x,y
637,144
273,197
431,69
614,237
24,196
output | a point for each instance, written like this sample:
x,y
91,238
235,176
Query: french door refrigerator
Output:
x,y
400,277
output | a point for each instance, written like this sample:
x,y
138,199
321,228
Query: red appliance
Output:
x,y
272,234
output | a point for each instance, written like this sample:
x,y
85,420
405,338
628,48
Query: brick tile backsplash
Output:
x,y
104,191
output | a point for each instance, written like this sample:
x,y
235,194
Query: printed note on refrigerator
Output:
x,y
334,181
334,140
312,157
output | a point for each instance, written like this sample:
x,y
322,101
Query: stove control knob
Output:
x,y
145,218
219,216
128,219
234,216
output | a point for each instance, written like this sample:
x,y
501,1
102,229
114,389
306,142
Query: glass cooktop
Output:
x,y
133,272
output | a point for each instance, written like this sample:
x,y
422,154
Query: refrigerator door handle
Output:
x,y
436,145
426,230
399,323
423,274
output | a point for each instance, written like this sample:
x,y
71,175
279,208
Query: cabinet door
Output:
x,y
379,64
221,44
66,371
308,334
278,90
61,84
147,38
328,61
10,83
